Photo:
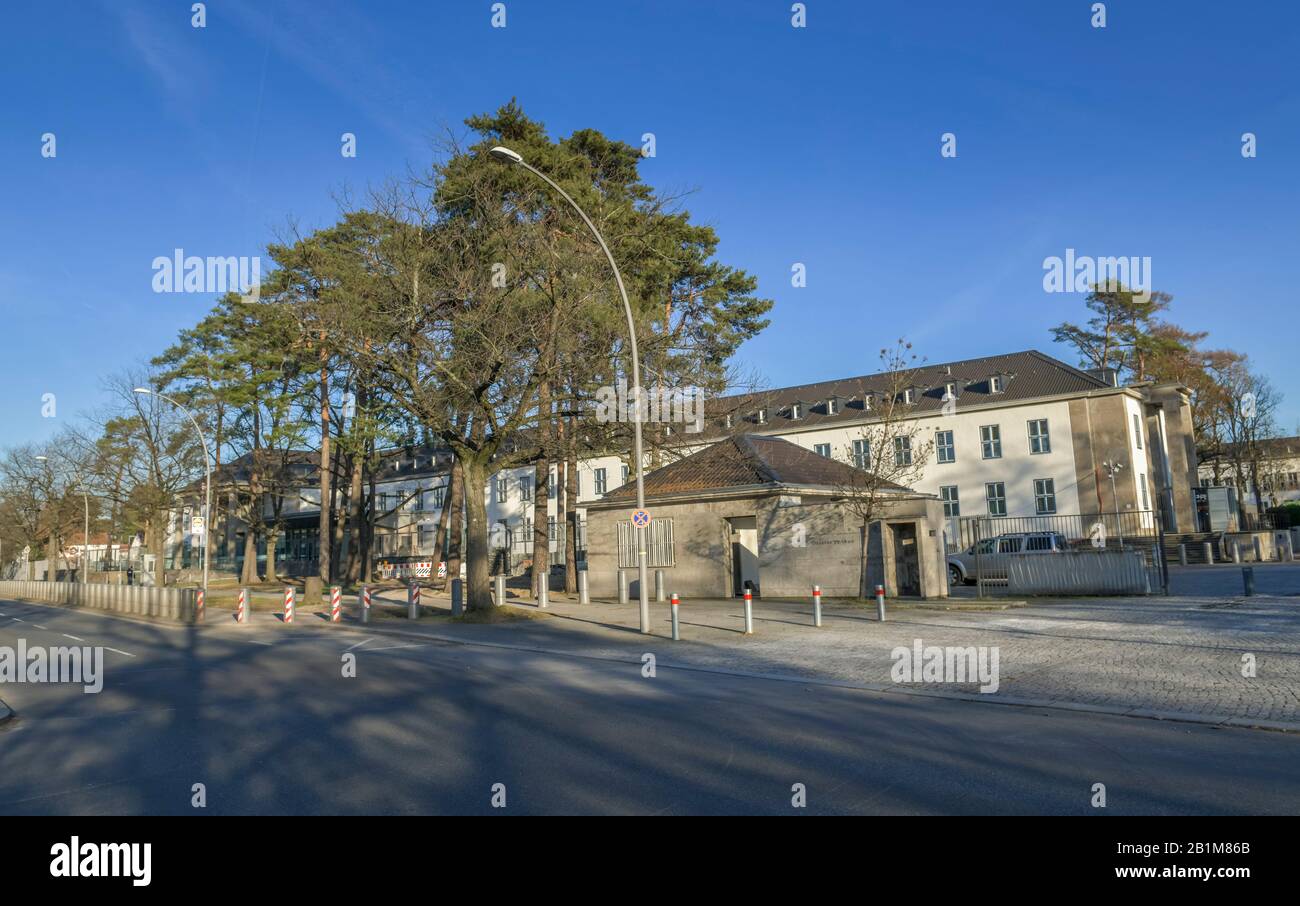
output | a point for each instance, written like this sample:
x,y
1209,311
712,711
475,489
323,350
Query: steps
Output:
x,y
1195,542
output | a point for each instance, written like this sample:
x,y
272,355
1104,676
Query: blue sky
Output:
x,y
817,145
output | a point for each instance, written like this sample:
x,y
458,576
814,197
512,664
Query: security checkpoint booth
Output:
x,y
761,513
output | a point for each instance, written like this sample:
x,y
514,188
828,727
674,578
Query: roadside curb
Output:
x,y
6,713
1189,717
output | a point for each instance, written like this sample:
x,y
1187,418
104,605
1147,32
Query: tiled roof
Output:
x,y
746,460
1026,375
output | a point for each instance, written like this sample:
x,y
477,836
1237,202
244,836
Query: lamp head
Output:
x,y
500,152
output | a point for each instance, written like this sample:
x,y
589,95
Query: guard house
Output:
x,y
764,512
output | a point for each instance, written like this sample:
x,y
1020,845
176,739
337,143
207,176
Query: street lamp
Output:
x,y
85,532
1111,468
207,468
514,157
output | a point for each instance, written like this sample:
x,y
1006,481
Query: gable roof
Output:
x,y
746,461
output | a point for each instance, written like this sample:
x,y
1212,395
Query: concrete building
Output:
x,y
764,513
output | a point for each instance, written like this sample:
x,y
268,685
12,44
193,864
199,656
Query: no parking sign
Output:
x,y
641,518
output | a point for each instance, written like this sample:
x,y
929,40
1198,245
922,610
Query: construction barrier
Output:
x,y
290,603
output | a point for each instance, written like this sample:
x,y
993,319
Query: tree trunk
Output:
x,y
248,576
571,513
271,537
474,475
541,488
440,538
326,536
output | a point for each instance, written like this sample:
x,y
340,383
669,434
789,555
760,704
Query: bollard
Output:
x,y
749,612
880,603
1182,554
622,587
198,607
500,582
336,603
290,603
584,596
677,632
817,605
1248,579
241,609
1259,550
412,602
364,602
659,585
457,598
544,591
1209,552
1236,552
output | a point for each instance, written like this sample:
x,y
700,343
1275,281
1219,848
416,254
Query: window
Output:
x,y
909,395
991,441
943,446
995,384
796,411
902,451
822,450
438,497
417,503
1038,543
525,487
1137,430
866,402
950,390
503,489
600,481
1142,483
1009,545
625,473
551,481
1039,441
862,453
995,492
761,416
727,421
951,506
1044,496
426,536
832,406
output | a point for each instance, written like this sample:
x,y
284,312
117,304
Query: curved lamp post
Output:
x,y
514,157
207,467
85,532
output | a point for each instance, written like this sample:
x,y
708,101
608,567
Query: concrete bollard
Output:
x,y
290,603
242,608
584,594
1182,554
412,602
1236,552
457,597
622,587
880,603
363,603
659,585
1259,550
677,630
500,590
749,612
336,604
817,605
1248,580
1209,552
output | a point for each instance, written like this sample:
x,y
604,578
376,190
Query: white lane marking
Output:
x,y
73,637
259,642
117,651
359,644
395,647
17,620
39,626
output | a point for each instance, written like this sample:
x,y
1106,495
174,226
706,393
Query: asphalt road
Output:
x,y
264,719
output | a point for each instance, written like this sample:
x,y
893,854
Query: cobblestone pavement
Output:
x,y
1151,656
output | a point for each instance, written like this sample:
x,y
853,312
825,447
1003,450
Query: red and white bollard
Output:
x,y
198,607
817,605
413,602
677,633
749,612
365,604
880,603
290,602
336,604
241,610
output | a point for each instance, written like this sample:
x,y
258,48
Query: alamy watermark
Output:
x,y
80,665
183,273
621,403
952,664
1083,273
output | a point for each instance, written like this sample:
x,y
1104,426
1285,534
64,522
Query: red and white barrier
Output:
x,y
290,603
336,604
198,607
241,610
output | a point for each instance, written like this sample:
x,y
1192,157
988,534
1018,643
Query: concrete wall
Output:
x,y
135,600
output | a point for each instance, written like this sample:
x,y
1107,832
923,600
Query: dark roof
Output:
x,y
1027,375
747,460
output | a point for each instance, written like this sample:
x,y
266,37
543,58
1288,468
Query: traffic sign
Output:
x,y
196,525
641,518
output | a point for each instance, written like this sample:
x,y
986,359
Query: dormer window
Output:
x,y
996,384
866,402
909,395
796,410
833,406
950,390
761,416
727,421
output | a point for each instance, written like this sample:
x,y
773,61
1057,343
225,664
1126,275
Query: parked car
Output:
x,y
993,554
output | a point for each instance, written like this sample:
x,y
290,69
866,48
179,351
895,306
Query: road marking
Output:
x,y
39,626
395,647
17,620
117,651
73,637
359,644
